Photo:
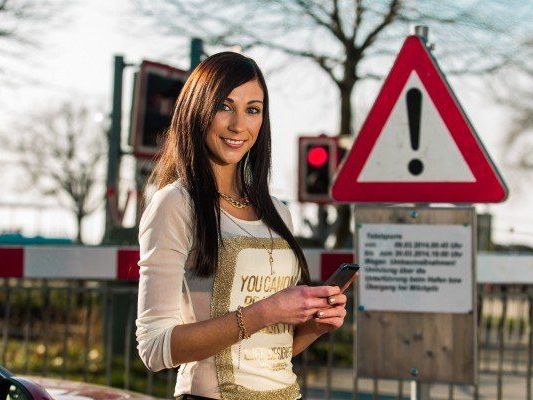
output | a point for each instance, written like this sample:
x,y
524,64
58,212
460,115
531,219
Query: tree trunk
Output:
x,y
79,217
346,126
343,234
322,228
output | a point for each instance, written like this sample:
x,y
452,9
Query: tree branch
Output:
x,y
369,76
386,21
305,6
337,24
358,16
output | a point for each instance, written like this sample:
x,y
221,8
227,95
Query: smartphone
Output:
x,y
343,276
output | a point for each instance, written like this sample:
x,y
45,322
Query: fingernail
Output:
x,y
331,300
320,313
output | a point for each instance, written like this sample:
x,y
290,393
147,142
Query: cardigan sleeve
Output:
x,y
165,240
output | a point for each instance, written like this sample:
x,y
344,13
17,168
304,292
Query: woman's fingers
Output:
x,y
338,311
318,296
339,299
321,291
317,303
335,322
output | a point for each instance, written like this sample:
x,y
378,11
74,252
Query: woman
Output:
x,y
219,264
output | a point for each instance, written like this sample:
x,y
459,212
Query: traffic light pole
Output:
x,y
197,50
113,138
114,135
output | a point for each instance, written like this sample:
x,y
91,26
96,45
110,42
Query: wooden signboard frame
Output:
x,y
426,347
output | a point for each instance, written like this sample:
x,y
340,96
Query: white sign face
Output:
x,y
415,268
436,149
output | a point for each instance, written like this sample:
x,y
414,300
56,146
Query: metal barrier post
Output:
x,y
530,344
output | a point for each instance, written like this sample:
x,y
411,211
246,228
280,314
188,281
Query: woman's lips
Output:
x,y
234,144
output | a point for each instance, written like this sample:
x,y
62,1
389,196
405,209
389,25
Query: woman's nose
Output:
x,y
237,123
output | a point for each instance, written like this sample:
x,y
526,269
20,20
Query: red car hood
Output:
x,y
71,390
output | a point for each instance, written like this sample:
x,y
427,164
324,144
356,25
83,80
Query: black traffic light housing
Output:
x,y
156,89
317,161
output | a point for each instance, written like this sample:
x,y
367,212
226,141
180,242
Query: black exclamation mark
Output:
x,y
414,111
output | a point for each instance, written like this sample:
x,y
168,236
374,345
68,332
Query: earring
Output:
x,y
245,172
246,159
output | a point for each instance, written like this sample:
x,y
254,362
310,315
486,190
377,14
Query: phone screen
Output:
x,y
343,276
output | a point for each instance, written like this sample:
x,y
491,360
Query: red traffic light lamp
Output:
x,y
317,156
317,161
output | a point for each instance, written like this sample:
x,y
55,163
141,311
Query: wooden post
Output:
x,y
440,346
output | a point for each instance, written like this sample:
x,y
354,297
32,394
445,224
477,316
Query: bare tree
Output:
x,y
350,40
512,90
516,95
62,153
22,24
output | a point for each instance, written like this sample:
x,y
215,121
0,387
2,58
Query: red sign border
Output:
x,y
489,185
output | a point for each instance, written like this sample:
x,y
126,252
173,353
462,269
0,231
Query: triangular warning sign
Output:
x,y
417,144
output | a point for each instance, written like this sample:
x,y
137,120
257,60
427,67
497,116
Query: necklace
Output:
x,y
269,251
234,202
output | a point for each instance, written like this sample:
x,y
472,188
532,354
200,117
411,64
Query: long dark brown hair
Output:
x,y
185,156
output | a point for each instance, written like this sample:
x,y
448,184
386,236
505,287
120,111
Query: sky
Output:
x,y
75,63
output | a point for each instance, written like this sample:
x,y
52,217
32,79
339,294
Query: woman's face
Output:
x,y
236,124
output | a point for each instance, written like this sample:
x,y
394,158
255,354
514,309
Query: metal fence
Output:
x,y
84,330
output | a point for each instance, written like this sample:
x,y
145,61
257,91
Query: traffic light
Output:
x,y
156,89
316,163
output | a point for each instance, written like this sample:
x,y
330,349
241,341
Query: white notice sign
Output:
x,y
415,268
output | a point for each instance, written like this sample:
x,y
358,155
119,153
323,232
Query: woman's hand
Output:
x,y
298,304
330,318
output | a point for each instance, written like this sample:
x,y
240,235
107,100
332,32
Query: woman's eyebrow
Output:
x,y
229,99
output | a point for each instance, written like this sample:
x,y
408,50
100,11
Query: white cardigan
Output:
x,y
170,294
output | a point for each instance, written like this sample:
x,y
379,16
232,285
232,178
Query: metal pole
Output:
x,y
530,345
420,30
7,314
355,302
419,391
415,389
113,137
501,343
108,307
197,50
329,365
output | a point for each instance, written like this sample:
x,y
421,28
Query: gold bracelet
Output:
x,y
242,330
242,333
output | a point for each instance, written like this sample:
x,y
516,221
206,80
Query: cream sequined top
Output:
x,y
170,294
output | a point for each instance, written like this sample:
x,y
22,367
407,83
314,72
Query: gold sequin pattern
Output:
x,y
220,304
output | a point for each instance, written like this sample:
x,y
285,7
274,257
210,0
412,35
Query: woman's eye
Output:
x,y
223,107
254,110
